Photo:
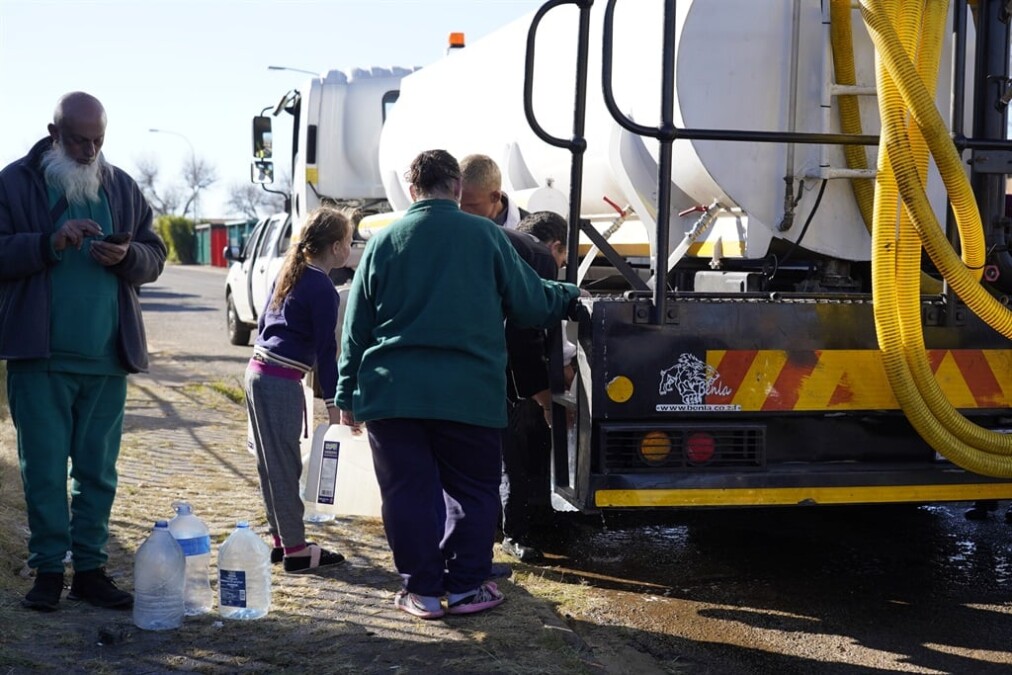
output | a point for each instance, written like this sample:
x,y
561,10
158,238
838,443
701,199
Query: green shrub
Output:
x,y
177,233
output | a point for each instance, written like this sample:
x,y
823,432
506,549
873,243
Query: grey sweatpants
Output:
x,y
276,414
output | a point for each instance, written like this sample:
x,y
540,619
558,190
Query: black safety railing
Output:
x,y
577,143
666,133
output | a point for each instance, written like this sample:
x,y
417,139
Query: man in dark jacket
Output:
x,y
482,193
75,243
526,442
540,239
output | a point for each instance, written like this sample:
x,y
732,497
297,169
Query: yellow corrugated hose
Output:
x,y
901,37
920,104
844,71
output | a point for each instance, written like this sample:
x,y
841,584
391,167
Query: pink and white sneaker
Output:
x,y
486,597
422,606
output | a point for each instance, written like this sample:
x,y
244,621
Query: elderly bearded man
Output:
x,y
71,330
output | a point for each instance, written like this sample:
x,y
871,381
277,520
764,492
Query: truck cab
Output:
x,y
252,271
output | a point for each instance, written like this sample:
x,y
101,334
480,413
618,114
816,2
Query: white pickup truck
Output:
x,y
252,272
254,267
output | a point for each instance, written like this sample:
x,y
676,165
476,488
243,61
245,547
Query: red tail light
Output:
x,y
699,448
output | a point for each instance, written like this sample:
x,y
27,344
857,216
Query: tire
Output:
x,y
238,332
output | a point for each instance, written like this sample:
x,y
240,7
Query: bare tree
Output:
x,y
167,198
198,174
163,200
245,198
254,201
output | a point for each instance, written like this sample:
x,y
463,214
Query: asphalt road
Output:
x,y
184,316
805,590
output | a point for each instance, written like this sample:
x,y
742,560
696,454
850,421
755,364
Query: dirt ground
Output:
x,y
845,591
187,442
811,591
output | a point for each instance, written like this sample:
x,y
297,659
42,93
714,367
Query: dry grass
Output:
x,y
343,621
231,392
569,599
13,527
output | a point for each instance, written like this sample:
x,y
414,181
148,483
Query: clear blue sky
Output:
x,y
199,67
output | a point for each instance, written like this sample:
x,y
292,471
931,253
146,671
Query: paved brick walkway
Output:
x,y
185,441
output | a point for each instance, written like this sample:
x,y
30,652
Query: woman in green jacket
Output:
x,y
423,361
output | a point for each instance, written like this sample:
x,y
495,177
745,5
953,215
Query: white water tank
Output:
x,y
733,64
342,116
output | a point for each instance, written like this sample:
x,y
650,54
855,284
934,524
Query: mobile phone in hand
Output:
x,y
117,237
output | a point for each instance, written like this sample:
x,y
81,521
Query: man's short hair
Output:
x,y
480,171
432,171
546,226
74,104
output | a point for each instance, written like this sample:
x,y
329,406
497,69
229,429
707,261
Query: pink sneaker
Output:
x,y
422,606
486,597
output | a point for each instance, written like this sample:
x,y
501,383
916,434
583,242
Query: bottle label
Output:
x,y
232,588
195,545
328,473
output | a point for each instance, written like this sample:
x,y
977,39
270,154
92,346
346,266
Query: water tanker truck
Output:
x,y
792,230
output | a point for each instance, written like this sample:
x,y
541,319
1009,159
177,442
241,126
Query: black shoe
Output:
x,y
499,571
521,552
278,553
318,557
96,588
45,594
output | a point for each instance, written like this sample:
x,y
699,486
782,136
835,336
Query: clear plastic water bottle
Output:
x,y
159,578
195,540
244,575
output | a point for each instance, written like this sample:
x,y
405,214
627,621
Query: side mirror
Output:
x,y
232,254
263,143
262,171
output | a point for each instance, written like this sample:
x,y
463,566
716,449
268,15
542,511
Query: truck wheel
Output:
x,y
238,333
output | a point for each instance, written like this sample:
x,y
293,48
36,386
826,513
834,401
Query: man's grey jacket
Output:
x,y
26,259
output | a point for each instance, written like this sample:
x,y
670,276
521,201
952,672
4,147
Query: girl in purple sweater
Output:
x,y
297,332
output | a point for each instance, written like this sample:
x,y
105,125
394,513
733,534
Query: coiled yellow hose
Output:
x,y
902,37
844,70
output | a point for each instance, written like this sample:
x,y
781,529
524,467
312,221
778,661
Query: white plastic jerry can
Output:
x,y
339,475
319,477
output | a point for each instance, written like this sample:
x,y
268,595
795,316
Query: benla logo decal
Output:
x,y
693,380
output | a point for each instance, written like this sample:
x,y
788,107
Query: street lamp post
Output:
x,y
193,163
294,70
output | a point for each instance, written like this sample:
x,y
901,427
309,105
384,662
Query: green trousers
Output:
x,y
61,417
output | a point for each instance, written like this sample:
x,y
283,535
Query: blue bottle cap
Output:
x,y
161,523
242,523
182,508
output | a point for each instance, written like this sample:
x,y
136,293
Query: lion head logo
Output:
x,y
693,379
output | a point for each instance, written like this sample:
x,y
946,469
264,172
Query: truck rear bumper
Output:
x,y
799,485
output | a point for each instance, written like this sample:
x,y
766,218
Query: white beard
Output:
x,y
80,182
